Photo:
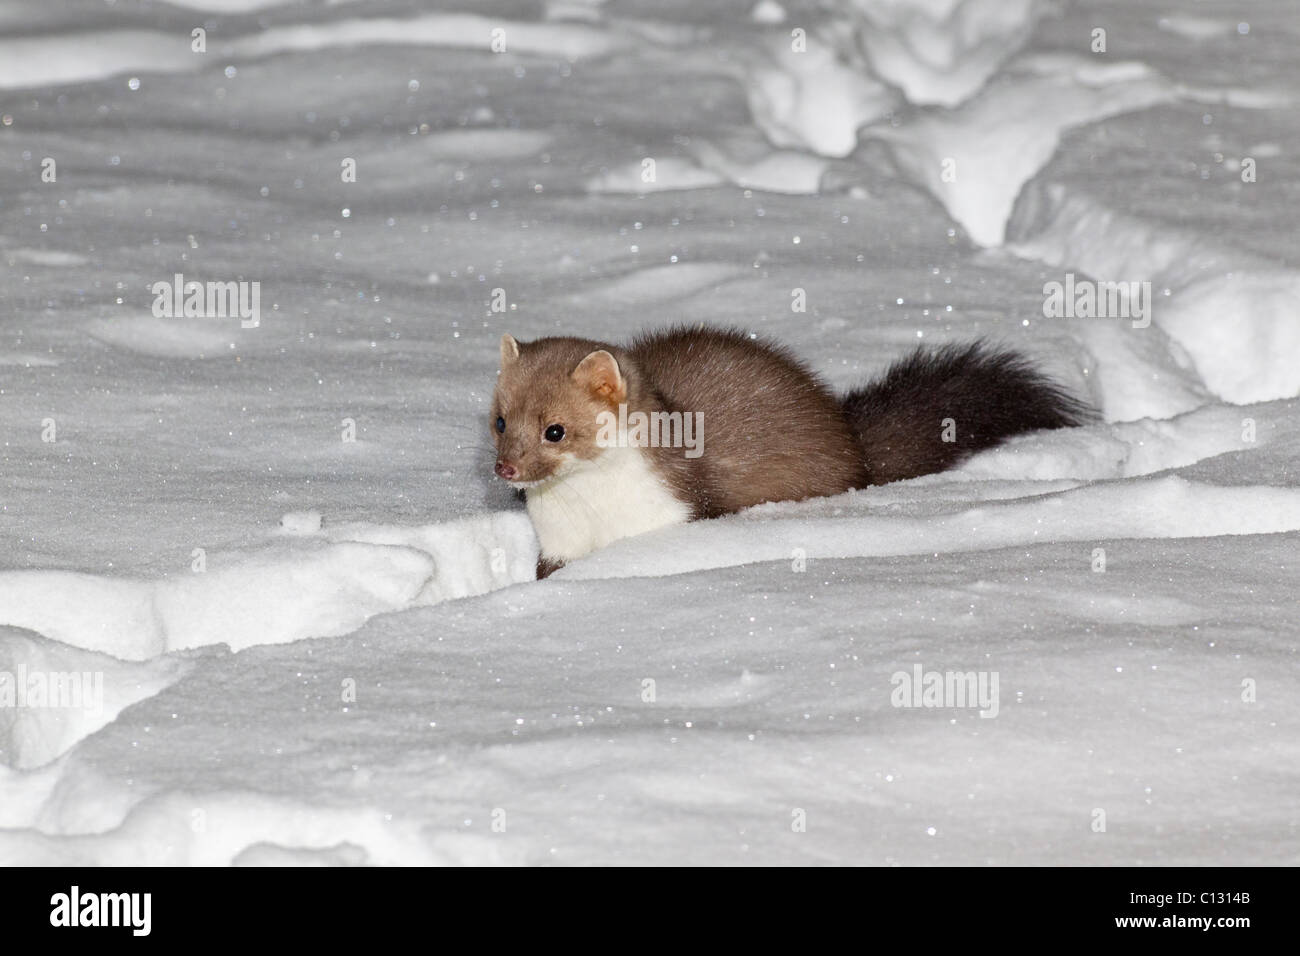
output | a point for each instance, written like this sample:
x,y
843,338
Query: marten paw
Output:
x,y
546,567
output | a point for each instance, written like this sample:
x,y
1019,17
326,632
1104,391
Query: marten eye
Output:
x,y
501,425
554,433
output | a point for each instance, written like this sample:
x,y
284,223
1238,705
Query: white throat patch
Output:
x,y
615,495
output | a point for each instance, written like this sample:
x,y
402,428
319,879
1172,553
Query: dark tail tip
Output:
x,y
938,406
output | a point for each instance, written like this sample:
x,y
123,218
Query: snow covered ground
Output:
x,y
299,611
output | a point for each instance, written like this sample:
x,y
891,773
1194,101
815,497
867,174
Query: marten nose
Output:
x,y
506,470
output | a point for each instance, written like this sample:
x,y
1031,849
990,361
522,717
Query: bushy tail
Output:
x,y
989,395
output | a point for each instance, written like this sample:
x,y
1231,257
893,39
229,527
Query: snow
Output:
x,y
304,612
278,593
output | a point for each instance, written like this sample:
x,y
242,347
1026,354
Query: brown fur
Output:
x,y
773,431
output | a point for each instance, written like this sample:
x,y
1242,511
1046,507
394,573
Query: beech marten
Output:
x,y
609,441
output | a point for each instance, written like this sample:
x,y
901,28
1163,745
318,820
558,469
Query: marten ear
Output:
x,y
509,351
599,374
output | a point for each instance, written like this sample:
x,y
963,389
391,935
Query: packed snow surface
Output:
x,y
262,603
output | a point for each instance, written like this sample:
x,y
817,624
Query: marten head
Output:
x,y
545,411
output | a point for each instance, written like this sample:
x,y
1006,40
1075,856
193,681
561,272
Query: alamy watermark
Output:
x,y
1086,299
651,430
208,300
130,910
922,688
83,690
